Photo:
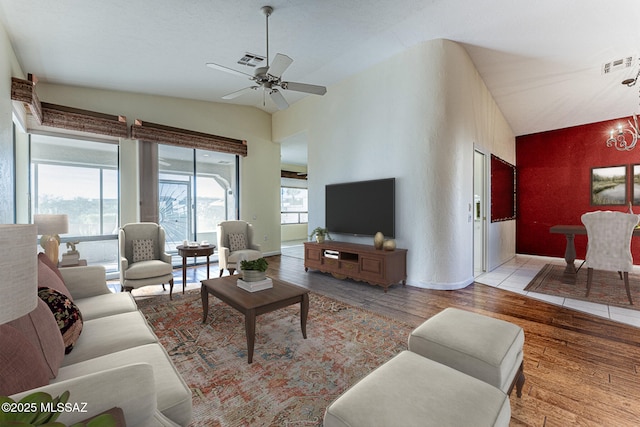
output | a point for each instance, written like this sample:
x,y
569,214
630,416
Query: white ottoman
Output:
x,y
410,390
486,348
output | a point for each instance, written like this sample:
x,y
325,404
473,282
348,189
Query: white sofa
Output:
x,y
117,360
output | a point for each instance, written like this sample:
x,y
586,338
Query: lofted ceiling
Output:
x,y
542,60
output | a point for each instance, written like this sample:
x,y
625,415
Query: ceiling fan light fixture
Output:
x,y
269,76
251,60
266,10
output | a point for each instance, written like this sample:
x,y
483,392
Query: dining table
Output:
x,y
570,231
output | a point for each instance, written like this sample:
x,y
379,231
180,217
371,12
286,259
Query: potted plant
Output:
x,y
254,270
320,234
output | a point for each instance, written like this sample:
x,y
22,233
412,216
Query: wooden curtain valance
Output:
x,y
62,117
294,175
185,138
24,91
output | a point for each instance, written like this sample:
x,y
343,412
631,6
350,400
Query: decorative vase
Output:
x,y
253,275
389,245
319,238
378,240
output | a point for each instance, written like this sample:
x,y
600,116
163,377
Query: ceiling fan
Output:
x,y
269,78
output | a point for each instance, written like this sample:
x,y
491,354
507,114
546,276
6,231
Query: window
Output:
x,y
79,178
293,205
197,190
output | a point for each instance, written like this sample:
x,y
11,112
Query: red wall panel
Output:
x,y
554,184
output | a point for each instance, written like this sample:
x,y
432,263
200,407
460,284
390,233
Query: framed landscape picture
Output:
x,y
635,184
609,185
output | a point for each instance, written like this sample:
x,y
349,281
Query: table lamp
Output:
x,y
19,266
50,226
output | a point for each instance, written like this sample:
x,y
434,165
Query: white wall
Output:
x,y
415,117
8,68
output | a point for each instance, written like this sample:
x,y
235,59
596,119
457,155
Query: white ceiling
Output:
x,y
540,59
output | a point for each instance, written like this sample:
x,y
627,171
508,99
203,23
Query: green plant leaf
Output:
x,y
5,416
63,398
104,420
33,415
36,399
259,264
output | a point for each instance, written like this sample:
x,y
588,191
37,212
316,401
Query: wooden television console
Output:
x,y
358,262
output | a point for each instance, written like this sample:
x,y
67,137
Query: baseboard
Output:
x,y
442,286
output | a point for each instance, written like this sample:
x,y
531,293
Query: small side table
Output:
x,y
193,251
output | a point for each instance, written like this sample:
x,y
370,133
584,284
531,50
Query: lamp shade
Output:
x,y
19,267
51,224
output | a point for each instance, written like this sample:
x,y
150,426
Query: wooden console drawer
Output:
x,y
331,263
372,266
348,268
312,254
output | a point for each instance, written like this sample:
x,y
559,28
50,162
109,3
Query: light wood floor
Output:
x,y
580,369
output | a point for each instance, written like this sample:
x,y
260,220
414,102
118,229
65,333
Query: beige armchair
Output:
x,y
609,244
143,260
235,243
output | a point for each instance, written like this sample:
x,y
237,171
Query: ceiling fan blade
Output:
x,y
279,100
279,65
237,93
303,87
227,69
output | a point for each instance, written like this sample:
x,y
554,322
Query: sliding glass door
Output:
x,y
79,178
197,190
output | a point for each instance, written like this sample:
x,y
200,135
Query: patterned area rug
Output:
x,y
607,288
291,380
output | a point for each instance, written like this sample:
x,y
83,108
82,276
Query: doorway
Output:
x,y
479,213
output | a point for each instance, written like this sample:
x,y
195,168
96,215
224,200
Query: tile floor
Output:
x,y
515,274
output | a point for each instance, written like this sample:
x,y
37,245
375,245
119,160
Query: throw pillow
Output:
x,y
21,367
47,278
237,242
142,250
41,329
45,259
67,315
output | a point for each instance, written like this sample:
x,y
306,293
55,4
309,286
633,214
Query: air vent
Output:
x,y
251,60
617,64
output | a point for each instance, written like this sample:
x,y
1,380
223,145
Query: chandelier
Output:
x,y
624,139
618,139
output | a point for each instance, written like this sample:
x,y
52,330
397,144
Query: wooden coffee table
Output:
x,y
253,304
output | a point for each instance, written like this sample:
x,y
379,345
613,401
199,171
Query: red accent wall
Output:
x,y
554,184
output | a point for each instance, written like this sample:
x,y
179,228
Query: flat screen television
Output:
x,y
361,208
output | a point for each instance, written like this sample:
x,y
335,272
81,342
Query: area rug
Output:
x,y
291,380
607,287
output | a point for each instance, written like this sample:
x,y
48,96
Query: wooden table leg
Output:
x,y
304,311
570,254
205,302
184,273
208,267
250,327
